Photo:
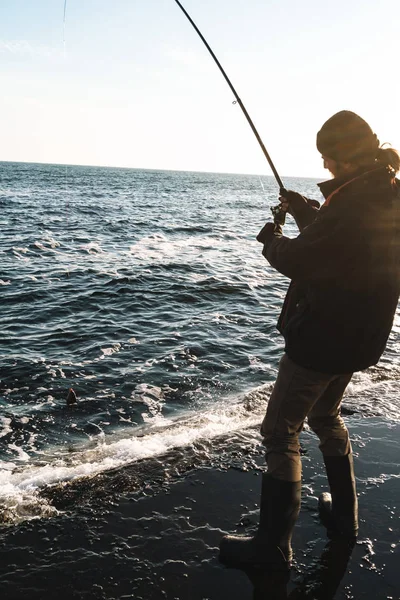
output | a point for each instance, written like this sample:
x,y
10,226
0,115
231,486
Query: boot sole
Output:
x,y
230,563
257,567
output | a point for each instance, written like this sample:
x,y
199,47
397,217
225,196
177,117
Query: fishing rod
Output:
x,y
282,189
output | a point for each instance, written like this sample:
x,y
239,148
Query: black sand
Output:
x,y
151,531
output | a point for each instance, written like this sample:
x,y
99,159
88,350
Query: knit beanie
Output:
x,y
346,137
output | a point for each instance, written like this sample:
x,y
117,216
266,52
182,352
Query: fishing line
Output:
x,y
64,44
64,20
246,114
66,166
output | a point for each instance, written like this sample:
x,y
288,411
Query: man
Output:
x,y
335,320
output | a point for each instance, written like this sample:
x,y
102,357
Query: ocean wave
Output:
x,y
20,485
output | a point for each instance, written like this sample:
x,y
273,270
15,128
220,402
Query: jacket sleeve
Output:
x,y
317,254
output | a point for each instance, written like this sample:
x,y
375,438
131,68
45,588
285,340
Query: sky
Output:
x,y
129,83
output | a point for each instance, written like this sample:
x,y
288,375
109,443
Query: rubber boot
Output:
x,y
339,509
271,546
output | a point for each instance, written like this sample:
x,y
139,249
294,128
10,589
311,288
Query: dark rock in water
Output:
x,y
345,410
71,398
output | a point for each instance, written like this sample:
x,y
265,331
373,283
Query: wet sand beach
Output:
x,y
150,531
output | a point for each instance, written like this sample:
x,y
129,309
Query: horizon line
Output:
x,y
28,162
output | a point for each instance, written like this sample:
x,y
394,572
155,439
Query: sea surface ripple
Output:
x,y
146,292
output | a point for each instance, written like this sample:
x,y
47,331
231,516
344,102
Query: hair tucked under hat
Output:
x,y
346,137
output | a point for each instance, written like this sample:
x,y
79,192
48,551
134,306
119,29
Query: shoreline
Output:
x,y
151,531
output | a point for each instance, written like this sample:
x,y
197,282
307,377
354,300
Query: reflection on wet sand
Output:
x,y
321,584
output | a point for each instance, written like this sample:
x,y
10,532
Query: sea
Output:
x,y
146,292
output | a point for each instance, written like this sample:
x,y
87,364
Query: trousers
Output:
x,y
301,393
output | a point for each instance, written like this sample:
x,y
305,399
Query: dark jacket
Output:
x,y
345,272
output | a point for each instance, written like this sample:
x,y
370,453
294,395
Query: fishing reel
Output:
x,y
279,220
279,215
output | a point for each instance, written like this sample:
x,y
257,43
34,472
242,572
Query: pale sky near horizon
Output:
x,y
134,85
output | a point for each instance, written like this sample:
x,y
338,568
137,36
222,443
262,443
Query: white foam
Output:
x,y
51,242
20,249
153,398
20,486
92,248
158,247
5,422
22,455
380,398
112,350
